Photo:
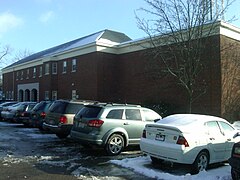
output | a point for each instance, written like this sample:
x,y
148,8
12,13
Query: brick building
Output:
x,y
109,66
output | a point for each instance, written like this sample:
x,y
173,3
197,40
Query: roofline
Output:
x,y
225,29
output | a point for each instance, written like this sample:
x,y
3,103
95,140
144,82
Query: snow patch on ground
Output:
x,y
139,165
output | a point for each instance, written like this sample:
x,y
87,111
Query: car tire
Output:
x,y
115,145
201,162
61,136
156,160
235,175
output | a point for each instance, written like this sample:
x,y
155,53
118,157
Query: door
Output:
x,y
228,132
216,141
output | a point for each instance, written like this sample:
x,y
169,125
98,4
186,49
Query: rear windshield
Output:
x,y
89,112
39,106
58,107
73,108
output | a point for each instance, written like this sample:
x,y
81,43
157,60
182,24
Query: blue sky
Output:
x,y
36,25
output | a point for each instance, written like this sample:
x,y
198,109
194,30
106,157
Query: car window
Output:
x,y
133,114
73,108
39,106
115,114
226,127
150,115
89,112
213,128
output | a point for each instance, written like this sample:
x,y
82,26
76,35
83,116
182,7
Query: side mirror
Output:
x,y
236,135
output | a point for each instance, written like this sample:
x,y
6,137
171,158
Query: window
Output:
x,y
74,65
21,75
115,114
213,128
74,94
54,68
46,95
27,74
17,75
64,66
46,68
150,115
133,114
34,72
40,71
54,95
226,128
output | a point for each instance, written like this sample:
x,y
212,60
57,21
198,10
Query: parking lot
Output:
x,y
27,153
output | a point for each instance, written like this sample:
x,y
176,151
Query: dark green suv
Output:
x,y
112,126
59,118
234,161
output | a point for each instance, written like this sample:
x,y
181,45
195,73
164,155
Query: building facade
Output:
x,y
108,66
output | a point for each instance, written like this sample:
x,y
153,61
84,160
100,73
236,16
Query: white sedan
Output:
x,y
194,139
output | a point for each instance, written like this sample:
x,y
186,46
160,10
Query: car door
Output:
x,y
229,136
216,141
134,125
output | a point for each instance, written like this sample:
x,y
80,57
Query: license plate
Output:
x,y
160,137
81,125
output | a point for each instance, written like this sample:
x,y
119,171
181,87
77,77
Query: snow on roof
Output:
x,y
187,122
106,36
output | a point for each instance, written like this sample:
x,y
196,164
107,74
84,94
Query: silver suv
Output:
x,y
113,126
59,119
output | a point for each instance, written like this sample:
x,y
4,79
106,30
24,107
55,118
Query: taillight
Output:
x,y
43,114
182,141
63,119
95,123
144,134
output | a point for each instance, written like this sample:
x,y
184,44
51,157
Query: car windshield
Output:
x,y
89,112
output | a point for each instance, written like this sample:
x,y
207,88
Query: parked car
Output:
x,y
14,112
59,119
35,117
234,161
112,126
193,139
5,104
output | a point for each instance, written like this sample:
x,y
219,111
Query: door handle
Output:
x,y
229,139
212,139
126,123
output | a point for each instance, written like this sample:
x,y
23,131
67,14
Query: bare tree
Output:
x,y
22,54
5,51
176,29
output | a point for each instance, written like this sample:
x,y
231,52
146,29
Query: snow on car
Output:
x,y
194,139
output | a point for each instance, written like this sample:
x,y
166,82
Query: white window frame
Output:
x,y
40,71
54,95
54,68
64,67
46,95
74,65
47,68
34,72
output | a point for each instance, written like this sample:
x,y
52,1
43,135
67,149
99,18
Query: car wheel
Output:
x,y
156,160
235,175
62,136
115,145
201,162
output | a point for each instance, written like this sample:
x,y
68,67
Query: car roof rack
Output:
x,y
119,104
